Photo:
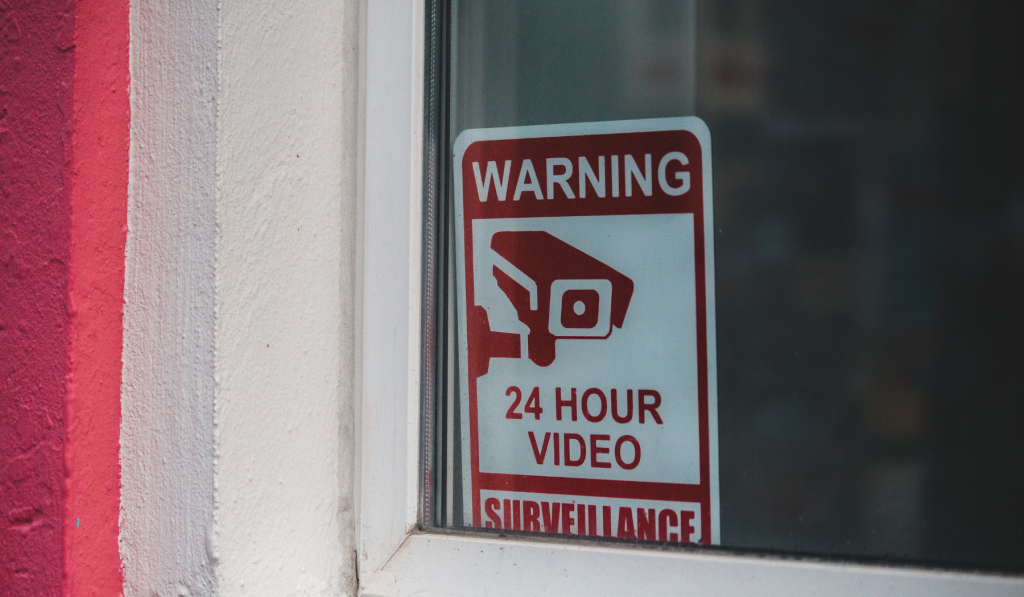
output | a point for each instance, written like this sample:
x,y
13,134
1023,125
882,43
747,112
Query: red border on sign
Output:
x,y
538,149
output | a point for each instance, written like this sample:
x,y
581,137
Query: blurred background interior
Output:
x,y
869,208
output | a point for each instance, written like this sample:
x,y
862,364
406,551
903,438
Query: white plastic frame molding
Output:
x,y
396,559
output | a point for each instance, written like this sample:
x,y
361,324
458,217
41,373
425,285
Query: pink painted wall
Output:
x,y
64,131
99,211
35,151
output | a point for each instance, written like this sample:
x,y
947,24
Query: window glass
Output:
x,y
868,240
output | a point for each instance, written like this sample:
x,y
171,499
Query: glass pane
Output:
x,y
868,240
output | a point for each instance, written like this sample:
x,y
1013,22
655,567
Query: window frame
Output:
x,y
395,556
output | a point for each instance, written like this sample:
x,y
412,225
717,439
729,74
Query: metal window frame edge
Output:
x,y
393,557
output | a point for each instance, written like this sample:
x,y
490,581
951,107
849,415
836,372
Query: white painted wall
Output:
x,y
285,296
237,449
167,468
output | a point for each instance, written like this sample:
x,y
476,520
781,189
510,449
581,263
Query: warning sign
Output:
x,y
587,330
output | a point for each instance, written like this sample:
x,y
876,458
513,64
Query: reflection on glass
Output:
x,y
869,206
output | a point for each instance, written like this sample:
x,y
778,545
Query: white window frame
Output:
x,y
394,558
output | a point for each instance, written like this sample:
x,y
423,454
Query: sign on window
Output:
x,y
587,330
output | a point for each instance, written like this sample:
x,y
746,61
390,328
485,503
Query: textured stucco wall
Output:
x,y
285,293
238,357
168,380
35,152
63,174
99,193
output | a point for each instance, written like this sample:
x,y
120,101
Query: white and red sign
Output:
x,y
587,330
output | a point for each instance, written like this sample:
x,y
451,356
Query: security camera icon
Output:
x,y
558,291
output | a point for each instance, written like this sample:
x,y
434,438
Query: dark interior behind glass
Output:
x,y
869,207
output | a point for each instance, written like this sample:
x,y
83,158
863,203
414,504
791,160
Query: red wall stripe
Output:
x,y
64,132
36,69
99,204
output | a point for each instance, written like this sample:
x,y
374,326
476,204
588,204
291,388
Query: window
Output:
x,y
863,306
